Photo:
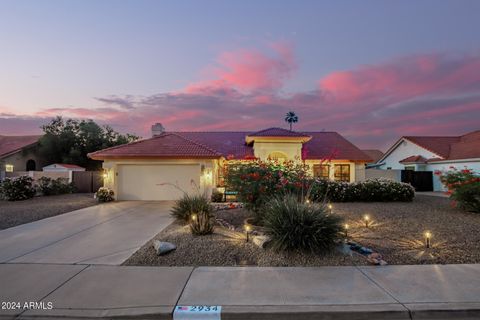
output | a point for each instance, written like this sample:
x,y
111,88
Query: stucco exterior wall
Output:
x,y
20,158
387,174
403,150
262,149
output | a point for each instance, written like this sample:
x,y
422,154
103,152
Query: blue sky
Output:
x,y
58,57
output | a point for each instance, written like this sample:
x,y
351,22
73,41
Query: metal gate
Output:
x,y
420,180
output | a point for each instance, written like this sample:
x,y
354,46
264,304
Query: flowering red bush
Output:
x,y
463,187
257,181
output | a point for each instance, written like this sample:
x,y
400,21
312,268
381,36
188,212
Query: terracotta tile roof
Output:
x,y
166,145
451,148
228,143
215,144
373,154
414,159
437,145
277,132
11,144
325,144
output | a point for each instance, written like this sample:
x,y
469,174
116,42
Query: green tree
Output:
x,y
69,141
291,118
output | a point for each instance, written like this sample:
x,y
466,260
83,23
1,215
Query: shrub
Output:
x,y
257,181
463,187
202,223
294,225
18,188
380,190
188,205
104,194
217,196
48,186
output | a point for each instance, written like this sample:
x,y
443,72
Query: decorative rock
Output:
x,y
261,241
376,259
163,247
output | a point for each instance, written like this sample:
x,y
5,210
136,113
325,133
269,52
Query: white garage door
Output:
x,y
155,182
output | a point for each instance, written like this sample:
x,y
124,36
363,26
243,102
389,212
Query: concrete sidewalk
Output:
x,y
390,292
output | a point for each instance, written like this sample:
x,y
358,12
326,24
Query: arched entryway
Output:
x,y
31,165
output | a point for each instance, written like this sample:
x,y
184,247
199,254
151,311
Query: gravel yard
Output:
x,y
396,231
14,213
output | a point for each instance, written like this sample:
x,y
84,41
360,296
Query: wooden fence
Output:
x,y
87,181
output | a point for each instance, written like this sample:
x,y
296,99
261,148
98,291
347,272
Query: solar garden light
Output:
x,y
248,228
428,236
366,218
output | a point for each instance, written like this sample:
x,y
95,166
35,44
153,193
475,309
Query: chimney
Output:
x,y
157,129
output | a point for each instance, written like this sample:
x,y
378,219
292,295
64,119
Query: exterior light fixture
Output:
x,y
194,217
366,218
428,236
248,229
346,230
9,168
105,175
330,206
307,201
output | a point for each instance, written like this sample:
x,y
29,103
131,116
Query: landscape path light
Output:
x,y
330,206
428,236
346,230
248,228
366,218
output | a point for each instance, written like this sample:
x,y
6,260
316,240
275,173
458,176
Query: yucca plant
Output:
x,y
188,205
201,223
295,225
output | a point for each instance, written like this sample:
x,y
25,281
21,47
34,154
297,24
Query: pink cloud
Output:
x,y
250,70
371,105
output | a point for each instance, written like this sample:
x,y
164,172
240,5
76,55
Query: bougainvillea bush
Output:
x,y
371,190
18,188
258,181
463,187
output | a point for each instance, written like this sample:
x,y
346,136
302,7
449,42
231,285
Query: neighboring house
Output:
x,y
373,154
19,153
62,167
431,153
170,163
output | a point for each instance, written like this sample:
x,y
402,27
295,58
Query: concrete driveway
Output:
x,y
103,234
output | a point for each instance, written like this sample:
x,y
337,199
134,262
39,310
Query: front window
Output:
x,y
342,172
9,168
321,171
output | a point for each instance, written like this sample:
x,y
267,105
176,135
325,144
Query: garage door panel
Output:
x,y
157,182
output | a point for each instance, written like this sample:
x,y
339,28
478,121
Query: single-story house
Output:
x,y
432,153
170,163
373,154
19,153
62,167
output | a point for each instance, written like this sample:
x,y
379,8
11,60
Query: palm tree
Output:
x,y
291,118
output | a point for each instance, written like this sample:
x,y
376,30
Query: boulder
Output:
x,y
163,247
261,240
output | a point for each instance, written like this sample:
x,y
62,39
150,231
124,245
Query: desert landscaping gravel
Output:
x,y
14,213
396,231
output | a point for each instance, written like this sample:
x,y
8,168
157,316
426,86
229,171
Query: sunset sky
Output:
x,y
371,70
